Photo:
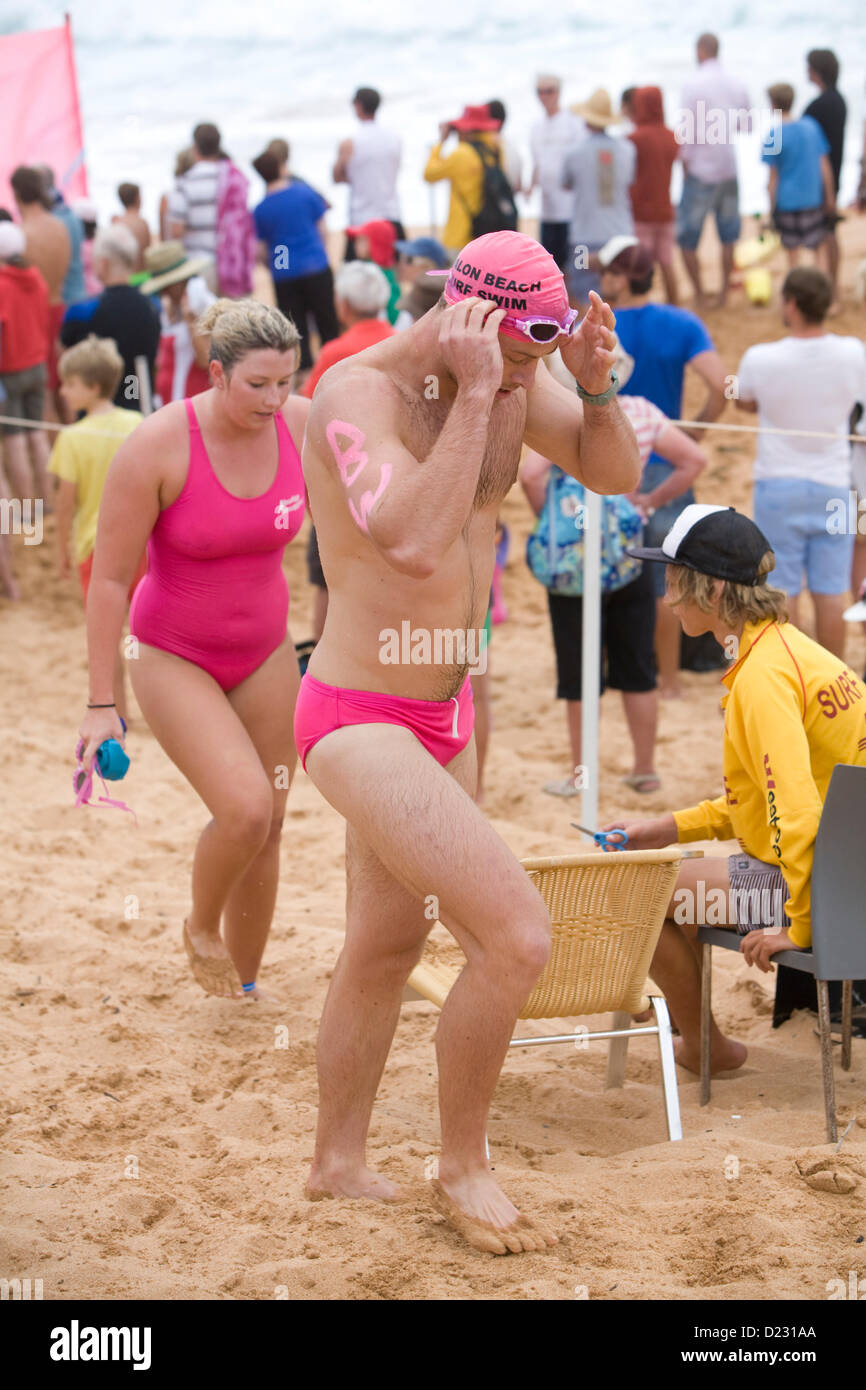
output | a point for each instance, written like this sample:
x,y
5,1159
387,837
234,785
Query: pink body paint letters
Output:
x,y
351,461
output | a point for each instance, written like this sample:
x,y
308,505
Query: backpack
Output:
x,y
554,550
498,211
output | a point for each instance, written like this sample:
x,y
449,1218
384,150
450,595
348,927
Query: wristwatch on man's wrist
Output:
x,y
603,397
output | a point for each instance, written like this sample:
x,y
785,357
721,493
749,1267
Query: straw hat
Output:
x,y
167,264
598,111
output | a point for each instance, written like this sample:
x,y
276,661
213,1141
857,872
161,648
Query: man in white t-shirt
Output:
x,y
809,381
192,203
714,107
369,162
550,140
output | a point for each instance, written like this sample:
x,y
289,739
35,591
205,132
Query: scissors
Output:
x,y
609,840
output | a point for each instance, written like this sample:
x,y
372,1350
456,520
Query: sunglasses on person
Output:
x,y
544,330
546,91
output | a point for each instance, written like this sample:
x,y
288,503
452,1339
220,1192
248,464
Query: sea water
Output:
x,y
260,68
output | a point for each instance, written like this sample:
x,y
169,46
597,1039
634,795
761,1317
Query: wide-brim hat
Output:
x,y
475,118
598,110
168,264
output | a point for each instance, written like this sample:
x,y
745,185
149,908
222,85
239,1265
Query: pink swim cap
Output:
x,y
513,270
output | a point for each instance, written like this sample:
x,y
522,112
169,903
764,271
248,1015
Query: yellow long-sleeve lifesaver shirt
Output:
x,y
792,712
464,169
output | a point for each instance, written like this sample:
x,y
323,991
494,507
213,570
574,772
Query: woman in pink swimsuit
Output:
x,y
213,486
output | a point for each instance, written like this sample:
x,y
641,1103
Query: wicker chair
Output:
x,y
607,912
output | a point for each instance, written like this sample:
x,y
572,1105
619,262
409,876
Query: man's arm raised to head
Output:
x,y
594,443
412,510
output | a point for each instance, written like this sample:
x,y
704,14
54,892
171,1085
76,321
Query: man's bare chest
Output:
x,y
424,424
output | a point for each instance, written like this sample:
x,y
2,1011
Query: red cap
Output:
x,y
381,236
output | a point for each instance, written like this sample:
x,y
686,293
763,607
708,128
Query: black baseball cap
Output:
x,y
718,541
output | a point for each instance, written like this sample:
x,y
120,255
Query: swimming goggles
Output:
x,y
543,330
82,783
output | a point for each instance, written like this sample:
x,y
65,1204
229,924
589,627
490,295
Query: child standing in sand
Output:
x,y
90,374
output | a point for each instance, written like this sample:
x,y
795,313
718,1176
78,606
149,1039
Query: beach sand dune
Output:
x,y
155,1141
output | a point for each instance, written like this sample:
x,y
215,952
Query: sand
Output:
x,y
156,1141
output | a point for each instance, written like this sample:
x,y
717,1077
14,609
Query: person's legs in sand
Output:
x,y
414,830
668,639
230,750
265,704
481,705
8,583
676,966
831,629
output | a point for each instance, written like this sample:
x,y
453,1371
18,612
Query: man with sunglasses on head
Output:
x,y
410,449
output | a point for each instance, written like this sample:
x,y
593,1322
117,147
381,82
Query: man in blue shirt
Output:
x,y
287,222
663,340
802,189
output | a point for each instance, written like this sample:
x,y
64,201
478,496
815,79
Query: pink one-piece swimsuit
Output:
x,y
215,592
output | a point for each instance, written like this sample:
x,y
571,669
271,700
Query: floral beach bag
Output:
x,y
554,550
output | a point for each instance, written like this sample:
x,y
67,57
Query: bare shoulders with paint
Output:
x,y
399,620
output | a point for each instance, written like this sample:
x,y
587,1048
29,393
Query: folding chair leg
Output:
x,y
669,1067
617,1051
846,1024
706,1014
827,1059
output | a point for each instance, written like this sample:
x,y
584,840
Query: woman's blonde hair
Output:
x,y
238,326
750,603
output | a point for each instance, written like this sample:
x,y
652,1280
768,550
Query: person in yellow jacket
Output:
x,y
792,712
464,169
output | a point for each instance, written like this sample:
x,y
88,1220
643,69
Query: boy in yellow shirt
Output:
x,y
82,454
792,712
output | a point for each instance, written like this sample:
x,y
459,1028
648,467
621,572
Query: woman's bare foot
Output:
x,y
262,996
357,1181
481,1213
725,1056
211,964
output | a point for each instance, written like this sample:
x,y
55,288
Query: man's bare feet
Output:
x,y
356,1181
727,1056
481,1213
211,965
671,692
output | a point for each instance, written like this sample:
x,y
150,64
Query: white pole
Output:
x,y
145,399
591,658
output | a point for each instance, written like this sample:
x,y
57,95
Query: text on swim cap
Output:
x,y
499,282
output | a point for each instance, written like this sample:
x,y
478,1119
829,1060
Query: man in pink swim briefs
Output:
x,y
411,447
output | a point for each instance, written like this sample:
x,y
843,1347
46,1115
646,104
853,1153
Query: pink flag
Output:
x,y
40,122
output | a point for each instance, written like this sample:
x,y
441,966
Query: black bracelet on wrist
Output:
x,y
111,706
